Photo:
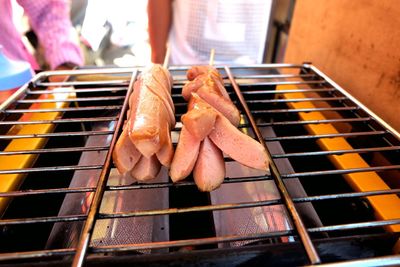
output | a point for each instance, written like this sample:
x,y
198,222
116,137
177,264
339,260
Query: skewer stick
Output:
x,y
212,54
166,58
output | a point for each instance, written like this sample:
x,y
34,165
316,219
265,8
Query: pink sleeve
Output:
x,y
50,19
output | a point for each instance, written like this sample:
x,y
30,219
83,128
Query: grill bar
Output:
x,y
79,72
80,99
318,136
23,111
189,242
289,82
347,195
100,90
36,254
273,92
227,180
341,171
283,123
259,88
191,209
73,218
51,169
164,185
79,83
289,123
337,152
305,110
76,120
100,188
353,226
299,225
273,76
315,99
47,191
65,134
54,150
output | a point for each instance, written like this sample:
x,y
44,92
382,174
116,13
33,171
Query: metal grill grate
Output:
x,y
344,158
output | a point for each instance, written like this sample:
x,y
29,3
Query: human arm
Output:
x,y
160,18
50,19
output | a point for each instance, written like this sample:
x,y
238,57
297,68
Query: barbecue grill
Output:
x,y
330,198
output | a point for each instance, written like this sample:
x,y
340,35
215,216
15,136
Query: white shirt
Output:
x,y
236,29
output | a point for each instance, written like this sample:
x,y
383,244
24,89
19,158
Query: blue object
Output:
x,y
13,73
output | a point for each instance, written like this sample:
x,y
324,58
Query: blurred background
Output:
x,y
115,32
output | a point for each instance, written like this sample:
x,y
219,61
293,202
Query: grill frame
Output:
x,y
83,249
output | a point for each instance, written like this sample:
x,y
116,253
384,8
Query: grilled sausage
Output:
x,y
146,139
209,172
151,111
238,145
185,156
166,153
146,168
200,118
125,154
211,89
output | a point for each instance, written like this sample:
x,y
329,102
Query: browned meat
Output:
x,y
159,82
212,79
191,87
200,118
226,107
148,125
151,111
166,153
211,89
196,71
146,139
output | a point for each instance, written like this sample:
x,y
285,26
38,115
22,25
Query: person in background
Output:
x,y
50,20
78,12
236,29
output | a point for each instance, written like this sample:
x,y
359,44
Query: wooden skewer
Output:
x,y
212,54
166,58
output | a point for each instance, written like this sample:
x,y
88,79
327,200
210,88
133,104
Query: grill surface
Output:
x,y
345,158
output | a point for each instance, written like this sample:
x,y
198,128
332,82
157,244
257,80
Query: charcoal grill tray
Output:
x,y
254,89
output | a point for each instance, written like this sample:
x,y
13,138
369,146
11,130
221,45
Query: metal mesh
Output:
x,y
312,206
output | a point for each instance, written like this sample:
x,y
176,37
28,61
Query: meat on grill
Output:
x,y
195,71
205,125
149,123
146,134
185,155
209,172
200,118
237,145
125,154
166,152
146,168
152,112
209,86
